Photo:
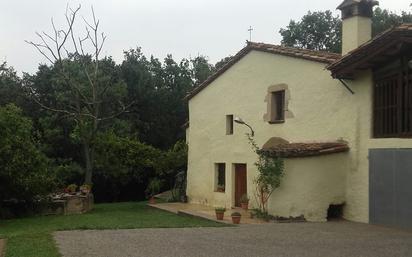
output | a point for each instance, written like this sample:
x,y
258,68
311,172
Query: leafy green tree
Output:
x,y
222,62
202,69
10,86
159,89
322,30
385,19
123,166
89,93
24,172
316,30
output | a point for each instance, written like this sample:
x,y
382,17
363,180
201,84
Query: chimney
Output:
x,y
356,23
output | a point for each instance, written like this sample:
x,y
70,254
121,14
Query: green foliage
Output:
x,y
316,30
384,19
10,86
236,214
270,173
222,62
123,167
201,69
24,172
154,187
258,213
220,209
159,89
244,198
172,161
71,188
322,30
129,150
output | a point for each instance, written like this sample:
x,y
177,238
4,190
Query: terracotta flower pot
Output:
x,y
152,200
245,206
219,215
236,219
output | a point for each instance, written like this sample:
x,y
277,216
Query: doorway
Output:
x,y
240,182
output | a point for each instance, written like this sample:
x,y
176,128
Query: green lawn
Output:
x,y
31,237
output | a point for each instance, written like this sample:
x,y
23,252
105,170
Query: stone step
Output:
x,y
198,215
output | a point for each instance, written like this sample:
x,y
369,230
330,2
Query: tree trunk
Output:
x,y
88,158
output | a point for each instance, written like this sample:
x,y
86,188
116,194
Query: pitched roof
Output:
x,y
298,150
311,55
371,53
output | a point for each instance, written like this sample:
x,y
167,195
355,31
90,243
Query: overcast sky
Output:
x,y
183,28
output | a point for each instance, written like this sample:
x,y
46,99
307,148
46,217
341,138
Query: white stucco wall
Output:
x,y
323,110
310,185
357,179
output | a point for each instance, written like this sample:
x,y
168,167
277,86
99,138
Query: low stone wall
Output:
x,y
71,204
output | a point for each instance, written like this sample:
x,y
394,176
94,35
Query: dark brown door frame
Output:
x,y
240,182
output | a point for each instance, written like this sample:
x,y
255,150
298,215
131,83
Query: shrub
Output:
x,y
236,214
220,209
153,187
24,173
244,198
270,172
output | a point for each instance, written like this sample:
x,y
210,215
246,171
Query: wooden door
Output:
x,y
240,182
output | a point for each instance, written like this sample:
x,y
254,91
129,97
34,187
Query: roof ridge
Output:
x,y
251,43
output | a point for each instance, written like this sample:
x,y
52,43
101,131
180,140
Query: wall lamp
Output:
x,y
240,121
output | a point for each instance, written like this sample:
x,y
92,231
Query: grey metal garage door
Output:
x,y
390,187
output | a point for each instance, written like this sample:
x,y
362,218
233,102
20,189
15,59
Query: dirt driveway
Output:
x,y
336,239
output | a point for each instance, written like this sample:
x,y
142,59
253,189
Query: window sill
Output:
x,y
219,191
276,121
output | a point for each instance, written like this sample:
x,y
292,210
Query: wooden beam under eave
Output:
x,y
365,58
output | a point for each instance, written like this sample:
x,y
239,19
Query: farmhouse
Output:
x,y
343,124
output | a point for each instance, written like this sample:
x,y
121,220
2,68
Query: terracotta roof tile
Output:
x,y
297,150
383,40
311,55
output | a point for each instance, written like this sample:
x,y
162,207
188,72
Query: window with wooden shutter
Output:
x,y
392,100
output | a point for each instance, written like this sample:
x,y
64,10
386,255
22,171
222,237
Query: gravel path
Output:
x,y
337,239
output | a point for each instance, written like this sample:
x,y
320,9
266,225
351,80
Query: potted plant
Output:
x,y
71,189
244,202
85,189
152,189
220,188
236,217
220,212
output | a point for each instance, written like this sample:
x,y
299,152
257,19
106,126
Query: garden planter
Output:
x,y
236,219
220,215
245,206
152,200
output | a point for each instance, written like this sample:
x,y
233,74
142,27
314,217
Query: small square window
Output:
x,y
277,107
229,124
220,175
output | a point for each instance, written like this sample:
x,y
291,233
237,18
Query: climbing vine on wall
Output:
x,y
270,173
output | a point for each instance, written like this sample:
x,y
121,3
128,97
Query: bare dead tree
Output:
x,y
85,108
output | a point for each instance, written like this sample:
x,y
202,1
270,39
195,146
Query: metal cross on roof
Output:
x,y
250,33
